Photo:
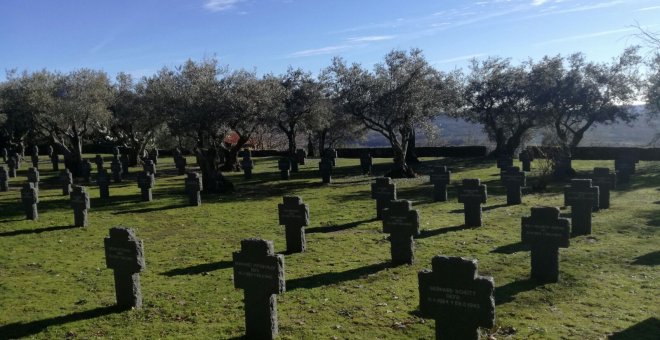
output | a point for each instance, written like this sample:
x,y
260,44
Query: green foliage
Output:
x,y
54,283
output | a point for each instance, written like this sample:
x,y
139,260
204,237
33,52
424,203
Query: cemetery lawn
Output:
x,y
54,283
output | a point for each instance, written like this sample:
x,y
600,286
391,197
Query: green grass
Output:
x,y
54,284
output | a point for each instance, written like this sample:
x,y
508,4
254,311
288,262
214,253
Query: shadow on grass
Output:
x,y
327,279
339,227
647,329
496,206
146,210
650,259
511,248
21,330
508,292
36,231
199,269
435,232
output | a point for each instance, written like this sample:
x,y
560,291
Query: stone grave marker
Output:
x,y
125,164
17,159
457,298
325,167
247,164
194,187
546,233
98,160
55,161
86,168
402,223
440,178
12,165
66,179
30,199
331,154
149,166
284,164
583,199
4,154
117,169
383,191
103,181
526,157
33,177
366,162
563,166
153,155
504,161
624,165
50,151
4,179
260,273
472,194
80,204
180,162
605,181
124,254
146,182
34,157
513,179
294,216
301,154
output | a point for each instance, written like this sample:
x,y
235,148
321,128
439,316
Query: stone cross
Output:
x,y
103,181
4,154
583,199
284,164
149,166
457,298
4,179
325,167
86,168
34,157
153,156
125,164
546,233
98,160
526,157
146,182
301,154
55,161
294,216
402,223
383,191
33,177
605,181
66,179
247,164
624,165
194,187
504,161
440,178
30,198
366,161
563,166
124,254
260,273
12,165
117,169
513,179
80,204
180,162
472,194
331,154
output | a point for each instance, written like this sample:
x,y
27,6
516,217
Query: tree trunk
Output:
x,y
322,134
212,179
411,154
231,155
310,146
400,169
73,157
291,136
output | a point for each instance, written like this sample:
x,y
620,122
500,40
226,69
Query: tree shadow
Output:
x,y
647,329
36,231
650,259
326,279
146,210
496,206
435,232
338,227
199,269
21,330
508,292
511,248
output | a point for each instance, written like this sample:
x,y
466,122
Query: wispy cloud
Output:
x,y
538,2
583,36
321,51
220,5
371,38
652,8
460,58
579,8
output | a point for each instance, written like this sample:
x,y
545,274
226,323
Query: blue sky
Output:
x,y
141,36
